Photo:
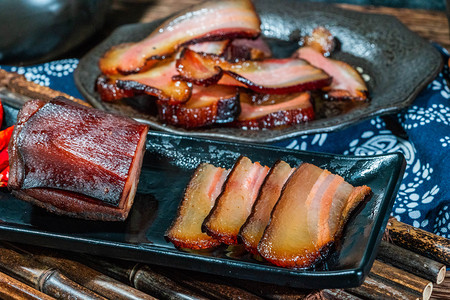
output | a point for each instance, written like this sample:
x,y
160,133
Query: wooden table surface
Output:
x,y
431,25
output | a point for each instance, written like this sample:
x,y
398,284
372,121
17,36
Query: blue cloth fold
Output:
x,y
424,196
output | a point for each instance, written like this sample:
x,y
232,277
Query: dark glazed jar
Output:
x,y
39,30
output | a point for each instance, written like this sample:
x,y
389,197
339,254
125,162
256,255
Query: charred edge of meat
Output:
x,y
139,89
109,91
220,36
213,79
222,111
278,119
206,78
337,95
301,87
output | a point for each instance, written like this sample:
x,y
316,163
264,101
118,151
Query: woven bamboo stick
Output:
x,y
338,294
375,289
88,277
142,277
11,288
411,262
419,241
389,274
43,278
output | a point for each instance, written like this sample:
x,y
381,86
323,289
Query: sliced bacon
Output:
x,y
319,204
198,68
215,47
157,81
347,82
269,111
199,197
108,90
253,228
321,40
313,208
357,195
234,204
209,21
207,106
287,241
271,76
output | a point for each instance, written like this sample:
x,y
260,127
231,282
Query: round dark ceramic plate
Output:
x,y
398,62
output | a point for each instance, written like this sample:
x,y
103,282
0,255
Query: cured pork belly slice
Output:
x,y
74,160
286,241
309,216
234,204
347,83
269,111
253,229
269,76
319,204
330,204
209,21
157,81
215,47
208,105
321,40
357,195
199,197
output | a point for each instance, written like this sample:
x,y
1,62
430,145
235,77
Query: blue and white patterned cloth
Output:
x,y
424,196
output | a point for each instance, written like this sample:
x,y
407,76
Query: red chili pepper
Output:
x,y
5,136
4,175
4,159
1,113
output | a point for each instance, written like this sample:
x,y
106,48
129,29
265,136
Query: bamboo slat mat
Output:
x,y
28,272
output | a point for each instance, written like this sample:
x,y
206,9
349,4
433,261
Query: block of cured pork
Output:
x,y
309,216
199,197
234,204
208,21
253,229
74,160
259,111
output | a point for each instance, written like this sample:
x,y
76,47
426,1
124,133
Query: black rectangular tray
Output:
x,y
168,165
